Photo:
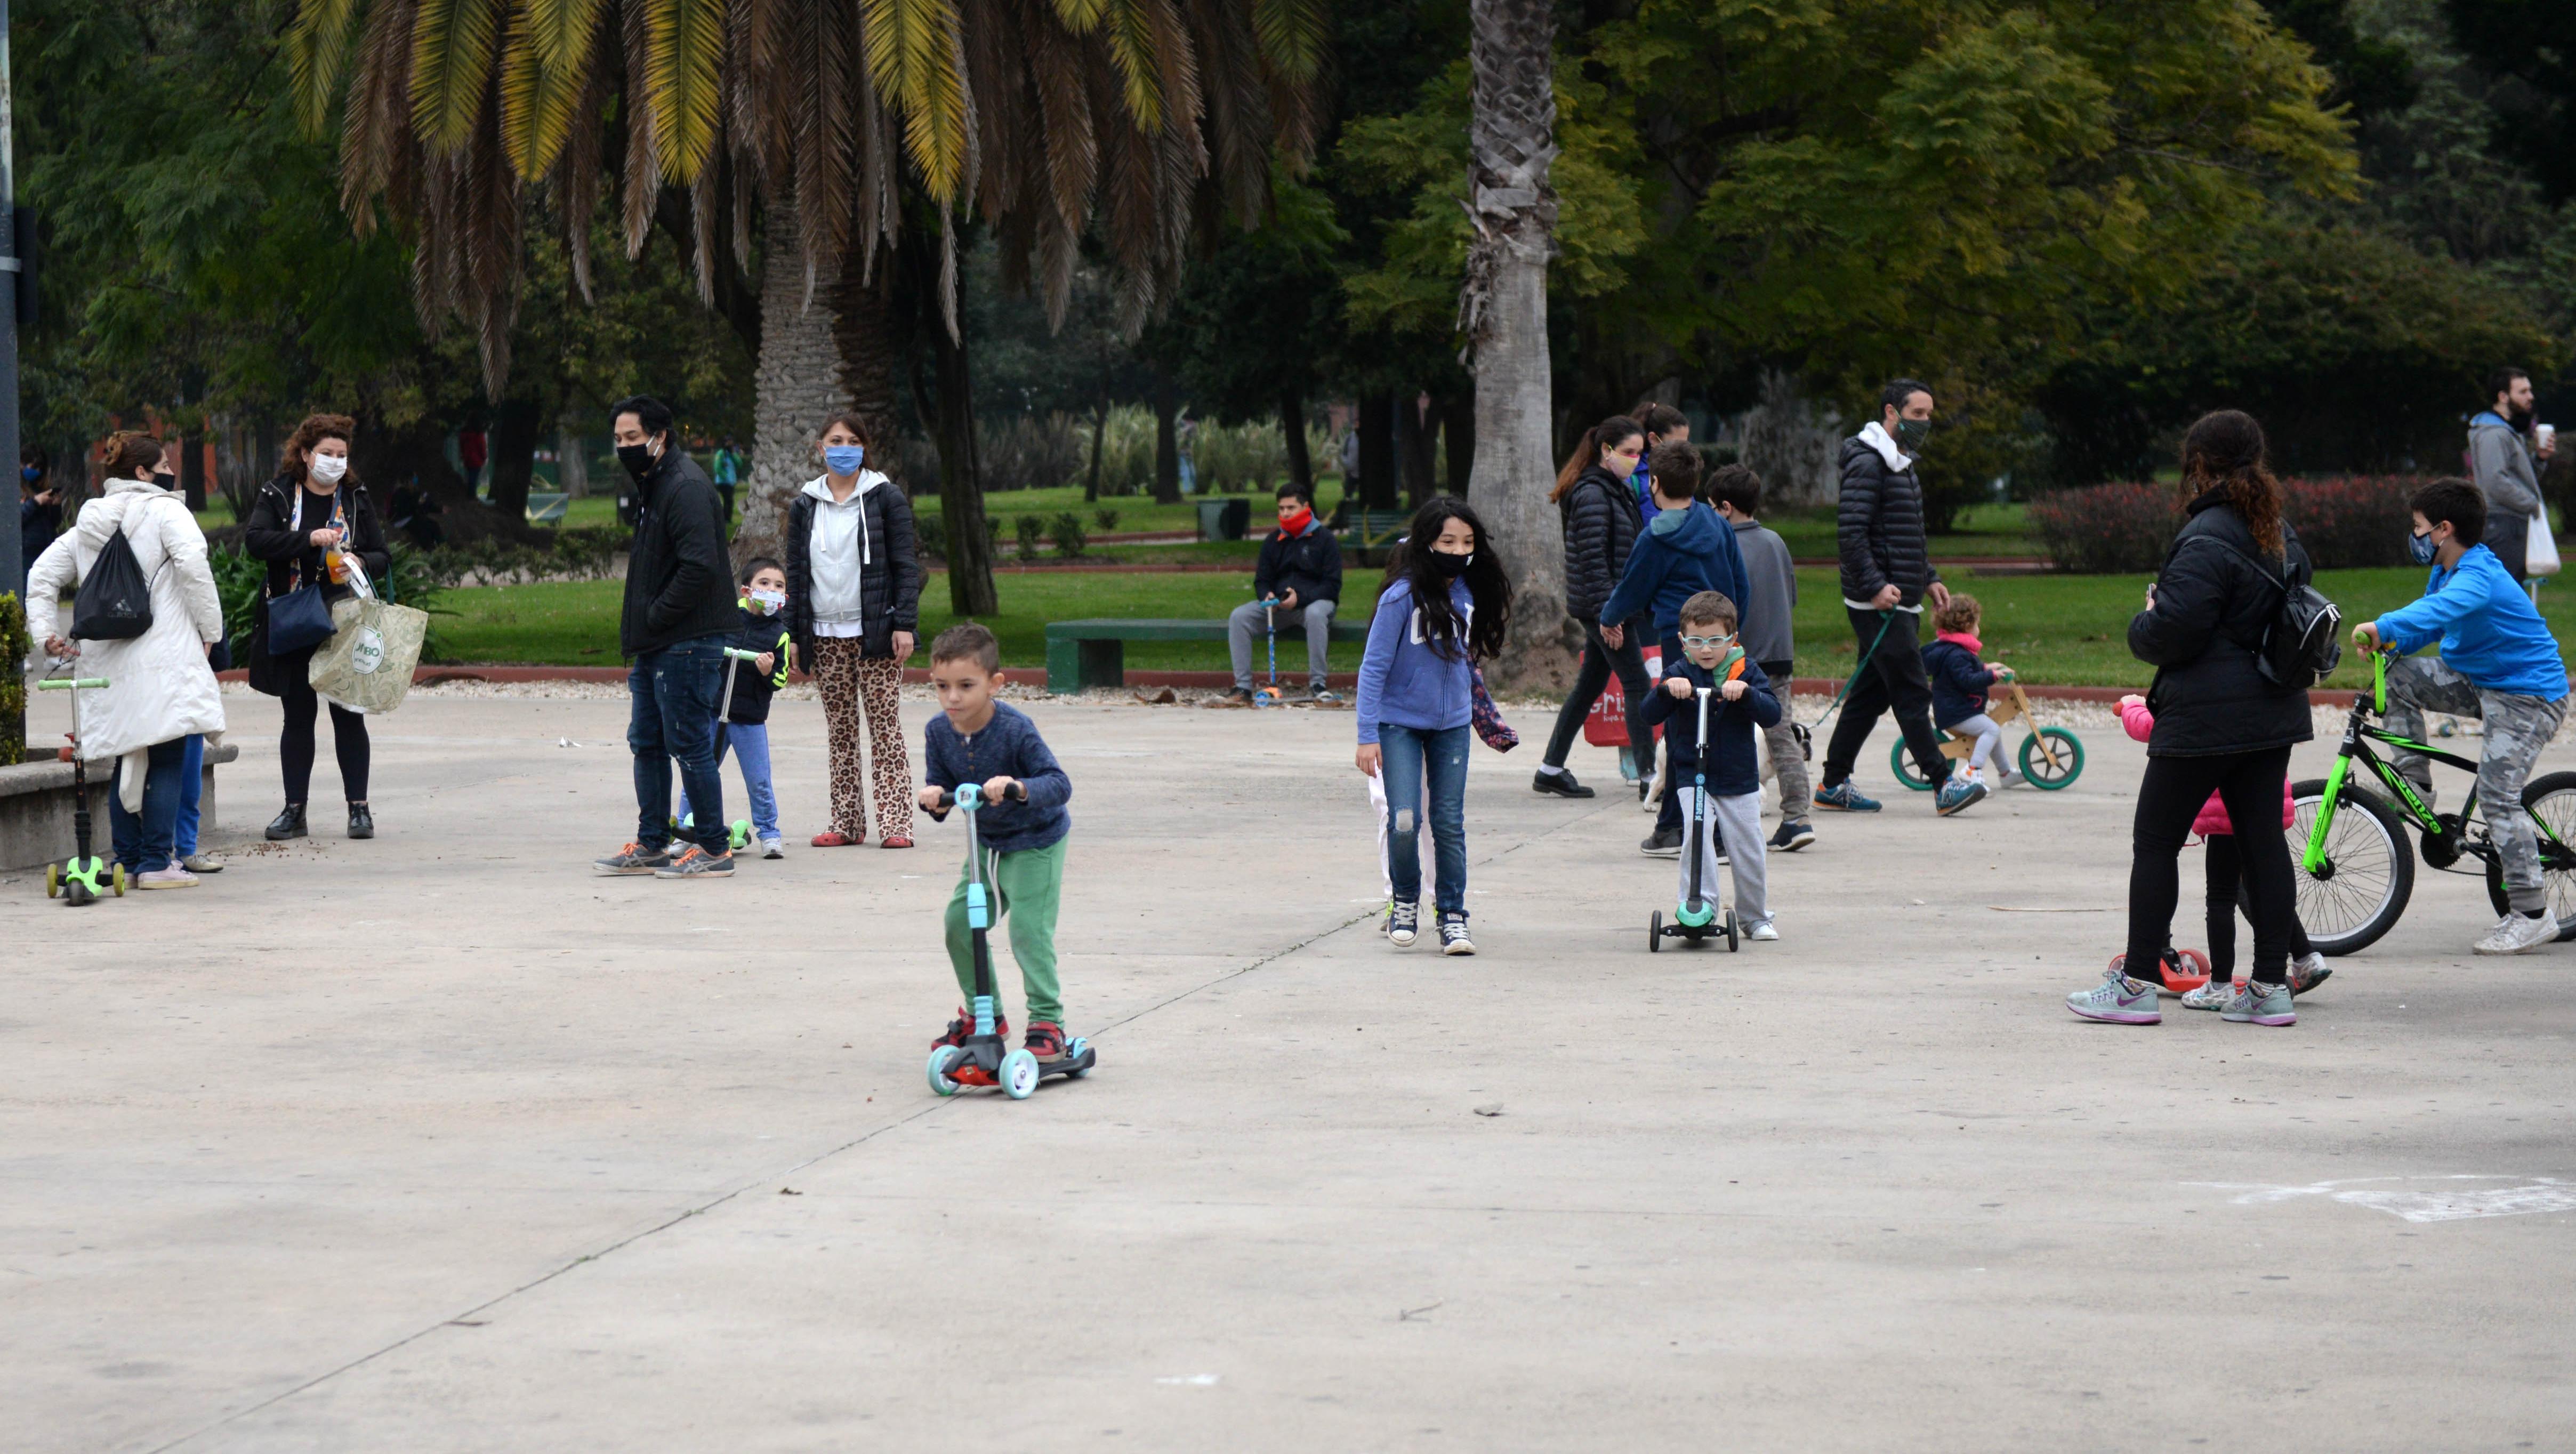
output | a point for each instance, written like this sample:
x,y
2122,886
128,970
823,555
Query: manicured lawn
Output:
x,y
1983,530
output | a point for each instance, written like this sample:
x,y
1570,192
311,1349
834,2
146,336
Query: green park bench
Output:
x,y
546,508
1094,653
1367,535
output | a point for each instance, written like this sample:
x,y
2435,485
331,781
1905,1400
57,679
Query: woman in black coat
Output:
x,y
853,606
1600,512
2221,725
313,510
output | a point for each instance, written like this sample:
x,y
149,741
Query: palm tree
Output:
x,y
1503,312
834,124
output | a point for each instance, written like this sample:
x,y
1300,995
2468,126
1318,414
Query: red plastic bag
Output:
x,y
1606,725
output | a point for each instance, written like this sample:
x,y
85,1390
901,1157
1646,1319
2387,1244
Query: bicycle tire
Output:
x,y
2370,868
2558,883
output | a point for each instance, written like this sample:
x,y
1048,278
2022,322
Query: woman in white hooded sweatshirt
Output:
x,y
853,606
160,688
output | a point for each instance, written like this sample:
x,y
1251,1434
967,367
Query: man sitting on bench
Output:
x,y
1300,577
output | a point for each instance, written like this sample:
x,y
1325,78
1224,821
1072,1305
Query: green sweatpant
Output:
x,y
1031,884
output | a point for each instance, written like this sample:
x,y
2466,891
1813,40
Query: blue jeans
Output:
x,y
674,716
750,743
1409,755
192,783
144,843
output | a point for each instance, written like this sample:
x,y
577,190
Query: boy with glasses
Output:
x,y
1742,704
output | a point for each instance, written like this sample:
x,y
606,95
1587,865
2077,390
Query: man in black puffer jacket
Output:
x,y
1887,576
678,617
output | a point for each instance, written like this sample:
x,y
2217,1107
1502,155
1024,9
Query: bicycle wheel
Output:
x,y
1901,763
2551,801
2051,758
2368,873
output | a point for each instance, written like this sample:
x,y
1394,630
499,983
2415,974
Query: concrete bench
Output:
x,y
1094,653
36,809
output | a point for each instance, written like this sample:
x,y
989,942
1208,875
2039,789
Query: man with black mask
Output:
x,y
679,614
2500,456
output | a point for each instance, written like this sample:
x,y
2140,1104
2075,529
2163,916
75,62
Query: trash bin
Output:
x,y
1224,519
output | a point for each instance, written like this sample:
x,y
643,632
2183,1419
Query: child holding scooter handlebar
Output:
x,y
1021,826
1712,660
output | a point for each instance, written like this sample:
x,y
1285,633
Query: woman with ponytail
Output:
x,y
1592,496
2220,724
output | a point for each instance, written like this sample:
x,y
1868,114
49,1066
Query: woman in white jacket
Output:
x,y
160,688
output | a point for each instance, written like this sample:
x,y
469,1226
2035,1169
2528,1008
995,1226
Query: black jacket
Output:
x,y
1600,515
2211,609
271,534
679,586
889,585
1733,770
1310,565
752,689
1959,681
1879,529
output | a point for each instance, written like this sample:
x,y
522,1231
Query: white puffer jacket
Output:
x,y
159,686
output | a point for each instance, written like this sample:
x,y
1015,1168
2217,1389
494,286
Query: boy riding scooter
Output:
x,y
1718,777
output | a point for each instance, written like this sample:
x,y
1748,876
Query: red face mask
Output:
x,y
1292,524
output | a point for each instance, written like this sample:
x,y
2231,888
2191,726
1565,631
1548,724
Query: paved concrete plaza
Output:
x,y
438,1142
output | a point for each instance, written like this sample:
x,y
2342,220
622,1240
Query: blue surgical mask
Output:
x,y
2420,547
843,459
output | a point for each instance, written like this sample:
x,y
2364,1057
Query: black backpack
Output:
x,y
2304,641
114,602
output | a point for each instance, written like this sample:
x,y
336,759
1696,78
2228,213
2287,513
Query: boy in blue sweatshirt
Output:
x,y
1742,704
979,740
2499,663
1687,549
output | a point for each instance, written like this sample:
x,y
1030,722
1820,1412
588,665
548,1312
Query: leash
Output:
x,y
1806,733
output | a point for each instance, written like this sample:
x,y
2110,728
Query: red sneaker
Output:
x,y
2177,972
895,840
964,1025
835,838
1046,1040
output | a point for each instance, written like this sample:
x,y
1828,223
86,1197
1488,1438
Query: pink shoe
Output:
x,y
835,838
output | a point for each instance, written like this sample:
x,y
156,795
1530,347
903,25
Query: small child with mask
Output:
x,y
745,729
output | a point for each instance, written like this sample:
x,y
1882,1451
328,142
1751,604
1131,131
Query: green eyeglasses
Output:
x,y
1712,643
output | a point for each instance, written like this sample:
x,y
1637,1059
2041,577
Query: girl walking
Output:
x,y
1592,494
2220,724
854,602
1446,603
303,524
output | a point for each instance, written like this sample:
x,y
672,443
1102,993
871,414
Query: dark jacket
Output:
x,y
1009,746
889,584
37,526
1682,554
679,586
1879,528
1732,768
1310,565
1601,528
2211,610
272,534
1959,681
752,688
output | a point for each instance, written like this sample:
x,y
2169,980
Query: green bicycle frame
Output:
x,y
2356,739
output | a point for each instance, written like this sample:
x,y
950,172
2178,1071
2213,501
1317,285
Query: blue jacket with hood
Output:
x,y
1679,555
2489,630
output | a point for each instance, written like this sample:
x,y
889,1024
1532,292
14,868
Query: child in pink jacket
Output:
x,y
2226,892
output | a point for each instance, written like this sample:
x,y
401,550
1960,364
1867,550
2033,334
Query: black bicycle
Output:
x,y
2354,874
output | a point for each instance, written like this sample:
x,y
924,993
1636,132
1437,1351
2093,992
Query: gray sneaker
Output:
x,y
2118,1000
2211,996
203,863
633,860
2307,972
2516,934
2257,1003
772,848
697,863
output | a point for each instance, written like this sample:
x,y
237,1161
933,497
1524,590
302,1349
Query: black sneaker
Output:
x,y
1662,843
289,823
633,859
1793,836
1560,782
1236,697
362,824
696,862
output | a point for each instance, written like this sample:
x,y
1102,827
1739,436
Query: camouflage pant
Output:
x,y
2517,728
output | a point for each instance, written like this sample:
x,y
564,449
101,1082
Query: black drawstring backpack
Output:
x,y
114,602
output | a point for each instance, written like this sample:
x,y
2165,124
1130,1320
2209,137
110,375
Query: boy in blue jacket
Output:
x,y
1687,549
978,740
1743,704
2499,663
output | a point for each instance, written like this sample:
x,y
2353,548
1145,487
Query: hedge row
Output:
x,y
2344,523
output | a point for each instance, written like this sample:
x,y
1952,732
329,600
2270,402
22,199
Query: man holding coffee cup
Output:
x,y
2503,463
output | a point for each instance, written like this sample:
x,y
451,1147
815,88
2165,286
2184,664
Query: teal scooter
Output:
x,y
83,878
738,833
986,1059
1698,917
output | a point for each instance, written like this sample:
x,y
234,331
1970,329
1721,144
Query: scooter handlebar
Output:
x,y
738,654
65,684
970,796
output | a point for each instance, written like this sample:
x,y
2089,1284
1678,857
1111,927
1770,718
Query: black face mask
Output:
x,y
638,459
1449,566
166,480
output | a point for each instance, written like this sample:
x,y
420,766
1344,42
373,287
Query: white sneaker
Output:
x,y
1763,933
773,848
173,877
2211,996
203,863
2010,778
2515,934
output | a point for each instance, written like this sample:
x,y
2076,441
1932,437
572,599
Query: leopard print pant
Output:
x,y
852,684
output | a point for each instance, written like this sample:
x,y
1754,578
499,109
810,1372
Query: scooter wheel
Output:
x,y
1732,944
78,894
1655,932
943,1060
53,880
1019,1075
1075,1051
118,880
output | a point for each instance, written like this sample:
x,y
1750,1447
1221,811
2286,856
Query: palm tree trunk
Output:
x,y
1167,440
795,383
1503,312
961,480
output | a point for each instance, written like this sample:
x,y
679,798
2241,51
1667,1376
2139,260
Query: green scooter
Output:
x,y
1697,917
81,879
738,832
